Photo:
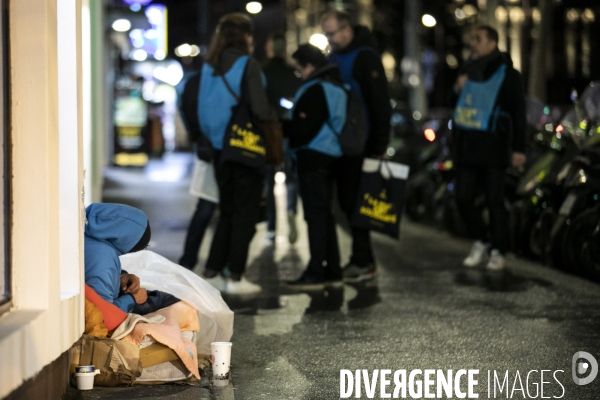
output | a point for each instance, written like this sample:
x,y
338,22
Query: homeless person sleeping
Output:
x,y
157,335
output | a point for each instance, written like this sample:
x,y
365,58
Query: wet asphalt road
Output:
x,y
424,311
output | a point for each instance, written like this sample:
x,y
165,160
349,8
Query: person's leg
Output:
x,y
291,183
348,172
195,233
494,194
219,250
270,199
246,208
333,272
467,182
315,195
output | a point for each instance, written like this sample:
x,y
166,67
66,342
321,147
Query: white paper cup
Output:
x,y
85,380
221,358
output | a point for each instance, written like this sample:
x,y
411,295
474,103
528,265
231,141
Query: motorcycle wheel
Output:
x,y
579,244
539,234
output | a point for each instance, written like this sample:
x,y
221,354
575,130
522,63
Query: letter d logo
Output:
x,y
583,367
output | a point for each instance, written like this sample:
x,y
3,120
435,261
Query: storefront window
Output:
x,y
4,165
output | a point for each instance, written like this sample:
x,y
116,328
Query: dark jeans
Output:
x,y
195,233
291,186
240,191
470,182
316,188
347,173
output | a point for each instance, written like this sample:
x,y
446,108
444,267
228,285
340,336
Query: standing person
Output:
x,y
319,114
489,135
361,68
282,83
228,63
188,107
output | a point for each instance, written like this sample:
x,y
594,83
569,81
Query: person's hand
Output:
x,y
130,283
140,296
518,159
460,82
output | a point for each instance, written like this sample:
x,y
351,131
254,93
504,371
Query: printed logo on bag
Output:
x,y
247,140
378,209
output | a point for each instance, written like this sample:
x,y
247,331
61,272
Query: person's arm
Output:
x,y
369,73
103,282
308,117
259,103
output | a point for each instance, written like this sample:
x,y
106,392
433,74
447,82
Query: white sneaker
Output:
x,y
475,257
496,262
243,286
270,237
217,282
293,234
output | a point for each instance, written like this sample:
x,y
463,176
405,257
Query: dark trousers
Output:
x,y
240,191
316,188
195,233
470,182
291,188
347,173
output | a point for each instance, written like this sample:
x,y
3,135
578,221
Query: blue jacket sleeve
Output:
x,y
125,302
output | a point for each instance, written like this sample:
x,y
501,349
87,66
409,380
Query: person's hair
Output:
x,y
343,18
231,32
492,34
279,44
309,54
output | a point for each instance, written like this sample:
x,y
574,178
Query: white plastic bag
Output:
x,y
204,183
158,273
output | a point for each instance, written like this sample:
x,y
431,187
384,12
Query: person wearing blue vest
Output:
x,y
316,119
361,69
228,63
489,125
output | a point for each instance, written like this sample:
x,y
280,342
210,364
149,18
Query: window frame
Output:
x,y
6,297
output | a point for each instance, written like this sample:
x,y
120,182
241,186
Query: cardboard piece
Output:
x,y
118,362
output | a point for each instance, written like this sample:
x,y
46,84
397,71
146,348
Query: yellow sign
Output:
x,y
379,209
466,117
247,141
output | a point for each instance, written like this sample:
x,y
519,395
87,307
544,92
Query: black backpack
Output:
x,y
354,133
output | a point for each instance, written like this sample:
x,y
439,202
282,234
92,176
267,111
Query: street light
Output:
x,y
428,20
121,25
254,7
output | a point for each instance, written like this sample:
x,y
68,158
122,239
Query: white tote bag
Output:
x,y
204,183
158,273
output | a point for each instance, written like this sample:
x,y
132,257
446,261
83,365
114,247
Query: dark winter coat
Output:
x,y
309,115
368,71
494,147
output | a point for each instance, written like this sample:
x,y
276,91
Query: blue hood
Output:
x,y
119,225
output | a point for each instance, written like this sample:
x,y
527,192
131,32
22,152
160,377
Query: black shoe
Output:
x,y
307,282
355,273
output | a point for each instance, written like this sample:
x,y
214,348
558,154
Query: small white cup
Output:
x,y
85,380
221,358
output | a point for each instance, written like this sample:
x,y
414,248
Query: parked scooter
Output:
x,y
575,223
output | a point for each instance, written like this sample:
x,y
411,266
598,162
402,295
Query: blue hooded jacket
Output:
x,y
111,230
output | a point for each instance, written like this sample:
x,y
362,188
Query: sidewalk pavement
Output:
x,y
424,310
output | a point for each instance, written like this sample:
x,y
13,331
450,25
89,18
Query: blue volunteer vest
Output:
x,y
475,105
215,101
345,63
326,141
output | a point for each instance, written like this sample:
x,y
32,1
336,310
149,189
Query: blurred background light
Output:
x,y
184,50
254,7
121,25
428,20
319,40
171,75
139,55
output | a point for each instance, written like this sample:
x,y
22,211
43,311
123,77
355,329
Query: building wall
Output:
x,y
45,104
